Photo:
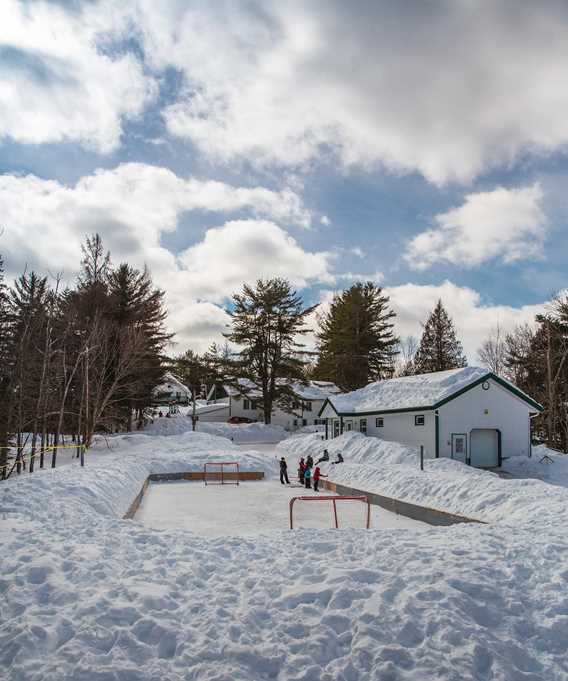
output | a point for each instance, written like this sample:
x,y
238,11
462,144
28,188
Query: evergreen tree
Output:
x,y
6,367
266,322
439,348
356,341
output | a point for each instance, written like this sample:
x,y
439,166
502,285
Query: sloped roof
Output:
x,y
171,381
424,391
314,390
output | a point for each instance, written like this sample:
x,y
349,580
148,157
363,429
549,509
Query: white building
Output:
x,y
467,414
171,390
245,402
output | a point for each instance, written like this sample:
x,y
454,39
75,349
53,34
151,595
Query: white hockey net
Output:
x,y
221,473
323,512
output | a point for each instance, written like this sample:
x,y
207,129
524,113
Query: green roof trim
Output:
x,y
404,410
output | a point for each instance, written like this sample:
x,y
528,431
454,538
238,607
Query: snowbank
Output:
x,y
553,469
242,433
392,469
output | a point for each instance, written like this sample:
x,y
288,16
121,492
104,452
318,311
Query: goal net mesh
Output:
x,y
323,512
221,473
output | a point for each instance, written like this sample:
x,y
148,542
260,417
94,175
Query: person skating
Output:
x,y
284,471
301,471
324,458
317,475
308,477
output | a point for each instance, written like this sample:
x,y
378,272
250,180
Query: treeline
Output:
x,y
535,358
356,344
75,361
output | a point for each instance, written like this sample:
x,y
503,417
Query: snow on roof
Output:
x,y
407,392
171,384
313,390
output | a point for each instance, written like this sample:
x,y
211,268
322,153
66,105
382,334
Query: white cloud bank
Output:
x,y
504,223
449,89
132,207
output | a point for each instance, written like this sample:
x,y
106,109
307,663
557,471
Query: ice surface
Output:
x,y
252,508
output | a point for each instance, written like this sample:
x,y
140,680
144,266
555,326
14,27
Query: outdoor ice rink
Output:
x,y
252,508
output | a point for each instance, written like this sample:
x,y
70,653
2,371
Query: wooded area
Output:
x,y
75,361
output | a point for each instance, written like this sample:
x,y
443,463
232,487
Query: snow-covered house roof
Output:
x,y
171,384
313,390
424,391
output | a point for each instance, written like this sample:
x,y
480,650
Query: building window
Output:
x,y
307,406
304,422
419,420
246,405
380,422
363,426
295,423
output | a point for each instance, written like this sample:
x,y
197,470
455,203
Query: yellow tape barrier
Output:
x,y
29,456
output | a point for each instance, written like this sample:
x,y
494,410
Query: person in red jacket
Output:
x,y
317,475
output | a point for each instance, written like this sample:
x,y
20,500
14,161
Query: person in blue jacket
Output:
x,y
308,477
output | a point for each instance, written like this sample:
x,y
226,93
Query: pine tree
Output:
x,y
356,341
266,322
6,368
439,348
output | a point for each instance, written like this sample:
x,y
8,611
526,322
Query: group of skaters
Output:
x,y
308,472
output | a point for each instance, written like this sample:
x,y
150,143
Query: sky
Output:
x,y
421,145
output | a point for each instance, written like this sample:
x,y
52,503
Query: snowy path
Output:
x,y
251,508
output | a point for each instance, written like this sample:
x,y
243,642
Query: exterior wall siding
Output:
x,y
496,408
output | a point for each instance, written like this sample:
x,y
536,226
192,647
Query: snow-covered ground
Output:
x,y
252,508
85,595
545,464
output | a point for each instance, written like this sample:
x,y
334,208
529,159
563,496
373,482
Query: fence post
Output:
x,y
421,457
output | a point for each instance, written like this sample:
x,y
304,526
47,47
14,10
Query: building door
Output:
x,y
459,447
347,425
336,428
363,426
484,447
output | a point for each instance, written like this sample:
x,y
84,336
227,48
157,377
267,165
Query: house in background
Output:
x,y
467,414
245,402
171,391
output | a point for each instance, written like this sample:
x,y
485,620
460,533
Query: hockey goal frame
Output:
x,y
334,501
222,480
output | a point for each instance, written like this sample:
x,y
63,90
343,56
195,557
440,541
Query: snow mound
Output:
x,y
242,433
392,469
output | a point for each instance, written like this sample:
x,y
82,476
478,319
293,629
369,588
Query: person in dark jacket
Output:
x,y
339,458
324,458
310,461
301,471
284,471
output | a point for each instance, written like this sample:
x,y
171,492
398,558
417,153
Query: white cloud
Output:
x,y
246,250
132,207
292,80
473,318
504,223
376,277
325,221
57,84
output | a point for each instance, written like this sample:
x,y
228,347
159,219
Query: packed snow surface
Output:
x,y
253,507
85,595
407,392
